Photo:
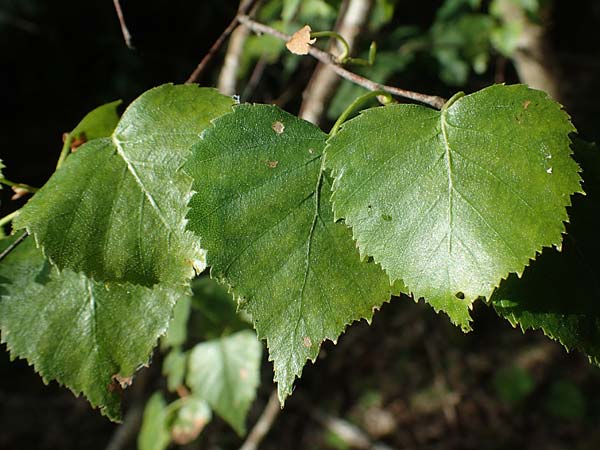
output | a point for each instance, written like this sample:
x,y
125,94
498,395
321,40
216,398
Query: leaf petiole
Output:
x,y
9,217
384,97
332,34
64,152
23,186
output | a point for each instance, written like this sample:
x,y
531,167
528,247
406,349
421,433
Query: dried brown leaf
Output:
x,y
300,41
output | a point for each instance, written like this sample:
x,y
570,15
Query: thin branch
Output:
x,y
264,423
124,29
12,246
126,432
227,82
324,81
245,6
326,58
352,436
9,217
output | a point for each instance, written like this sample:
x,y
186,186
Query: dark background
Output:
x,y
59,59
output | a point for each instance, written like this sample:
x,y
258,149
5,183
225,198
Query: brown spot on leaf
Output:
x,y
526,104
300,41
278,127
243,373
272,164
307,342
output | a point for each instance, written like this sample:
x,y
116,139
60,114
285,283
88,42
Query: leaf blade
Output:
x,y
270,236
225,372
453,202
116,208
86,335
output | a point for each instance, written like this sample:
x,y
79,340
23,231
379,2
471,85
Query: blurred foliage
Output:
x,y
203,334
513,384
565,400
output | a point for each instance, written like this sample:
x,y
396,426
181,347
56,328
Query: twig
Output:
x,y
124,29
326,58
227,83
245,6
254,79
262,427
125,433
352,435
12,246
324,81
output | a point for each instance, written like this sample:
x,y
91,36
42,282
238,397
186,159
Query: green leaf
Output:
x,y
116,208
216,310
173,368
191,418
225,372
269,234
154,434
177,333
560,293
98,123
451,202
89,336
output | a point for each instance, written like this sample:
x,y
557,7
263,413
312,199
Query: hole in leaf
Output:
x,y
460,295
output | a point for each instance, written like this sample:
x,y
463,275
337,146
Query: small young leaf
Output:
x,y
89,336
98,123
451,202
225,372
262,213
116,208
154,434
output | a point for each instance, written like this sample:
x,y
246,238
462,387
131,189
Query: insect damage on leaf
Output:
x,y
278,127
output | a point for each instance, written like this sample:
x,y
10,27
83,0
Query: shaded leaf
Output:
x,y
565,400
225,372
89,336
513,384
269,234
216,310
116,208
560,293
452,201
